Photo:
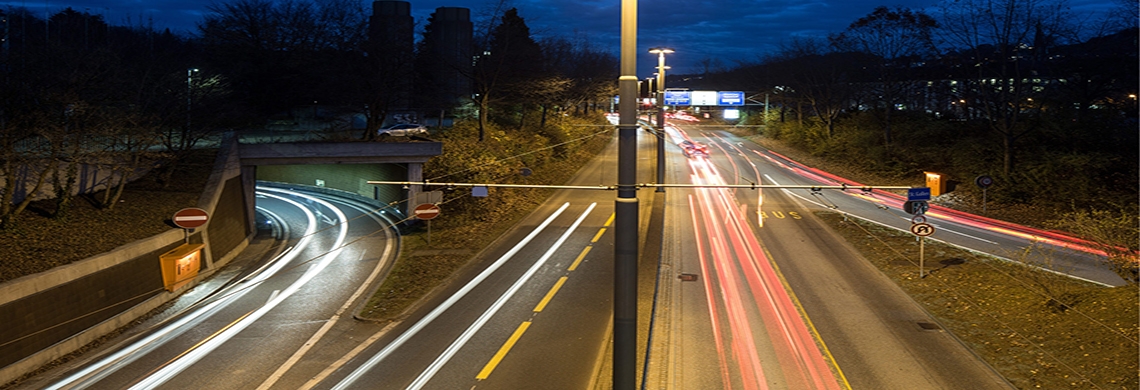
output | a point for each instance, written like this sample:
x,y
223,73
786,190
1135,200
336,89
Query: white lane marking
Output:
x,y
419,325
499,303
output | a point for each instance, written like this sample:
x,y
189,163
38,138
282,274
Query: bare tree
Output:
x,y
1001,35
822,80
892,36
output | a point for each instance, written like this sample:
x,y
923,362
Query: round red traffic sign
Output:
x,y
426,211
190,217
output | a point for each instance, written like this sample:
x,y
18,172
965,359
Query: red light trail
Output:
x,y
742,283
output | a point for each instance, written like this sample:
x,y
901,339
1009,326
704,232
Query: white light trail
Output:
x,y
95,372
499,303
419,325
188,359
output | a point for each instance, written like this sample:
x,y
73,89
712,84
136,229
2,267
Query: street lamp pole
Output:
x,y
650,90
626,210
661,52
189,94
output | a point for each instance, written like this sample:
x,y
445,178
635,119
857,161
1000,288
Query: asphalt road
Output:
x,y
236,330
732,328
532,311
754,292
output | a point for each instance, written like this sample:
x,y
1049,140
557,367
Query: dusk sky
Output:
x,y
726,31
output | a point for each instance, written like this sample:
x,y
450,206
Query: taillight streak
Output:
x,y
732,248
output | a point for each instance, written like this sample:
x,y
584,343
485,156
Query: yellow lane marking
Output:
x,y
494,362
599,235
579,259
780,214
550,294
502,351
842,378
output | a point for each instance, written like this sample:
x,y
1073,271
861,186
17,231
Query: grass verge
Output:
x,y
1038,329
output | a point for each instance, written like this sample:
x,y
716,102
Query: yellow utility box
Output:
x,y
180,264
936,183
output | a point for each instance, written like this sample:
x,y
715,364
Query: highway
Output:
x,y
533,311
236,330
753,293
780,301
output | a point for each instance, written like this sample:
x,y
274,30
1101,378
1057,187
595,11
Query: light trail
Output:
x,y
200,350
1030,234
93,373
718,338
451,350
431,316
748,283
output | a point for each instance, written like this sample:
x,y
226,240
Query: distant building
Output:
x,y
391,36
450,43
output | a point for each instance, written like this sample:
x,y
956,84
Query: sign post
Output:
x,y
922,230
426,211
984,182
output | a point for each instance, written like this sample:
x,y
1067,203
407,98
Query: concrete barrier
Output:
x,y
110,290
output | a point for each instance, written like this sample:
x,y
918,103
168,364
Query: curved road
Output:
x,y
754,293
234,336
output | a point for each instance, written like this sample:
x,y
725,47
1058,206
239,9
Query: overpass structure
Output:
x,y
345,166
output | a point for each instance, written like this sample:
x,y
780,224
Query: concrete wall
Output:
x,y
110,290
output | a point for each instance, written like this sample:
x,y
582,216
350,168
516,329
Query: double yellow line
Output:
x,y
502,353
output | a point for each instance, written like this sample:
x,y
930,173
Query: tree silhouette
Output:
x,y
511,60
1000,37
892,36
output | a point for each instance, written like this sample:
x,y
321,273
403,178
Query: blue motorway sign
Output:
x,y
678,98
730,98
918,193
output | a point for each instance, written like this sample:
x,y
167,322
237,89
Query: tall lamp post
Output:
x,y
626,209
650,90
189,94
661,52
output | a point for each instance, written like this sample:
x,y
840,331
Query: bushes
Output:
x,y
551,154
1055,167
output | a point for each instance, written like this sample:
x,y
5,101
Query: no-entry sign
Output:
x,y
426,211
190,217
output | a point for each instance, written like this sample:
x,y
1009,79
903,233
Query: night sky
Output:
x,y
727,32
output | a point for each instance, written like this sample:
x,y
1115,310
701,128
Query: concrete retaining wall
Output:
x,y
110,290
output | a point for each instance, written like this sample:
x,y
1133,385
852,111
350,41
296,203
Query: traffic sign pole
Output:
x,y
921,256
921,230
